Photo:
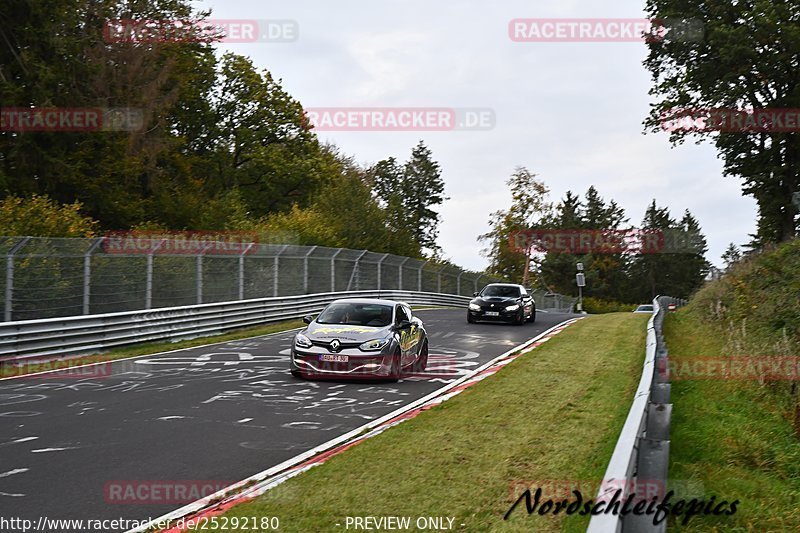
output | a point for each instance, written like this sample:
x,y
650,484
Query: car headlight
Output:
x,y
374,345
302,341
512,307
474,307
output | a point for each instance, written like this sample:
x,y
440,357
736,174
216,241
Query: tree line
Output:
x,y
222,145
623,274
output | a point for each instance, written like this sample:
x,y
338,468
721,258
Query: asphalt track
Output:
x,y
123,443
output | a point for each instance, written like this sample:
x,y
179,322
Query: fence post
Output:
x,y
419,276
275,267
333,270
199,272
305,269
400,273
87,274
380,264
458,282
476,282
356,272
10,276
241,270
148,290
439,279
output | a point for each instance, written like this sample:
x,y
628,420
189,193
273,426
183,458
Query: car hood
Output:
x,y
488,300
346,333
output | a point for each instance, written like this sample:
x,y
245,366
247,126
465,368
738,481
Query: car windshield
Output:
x,y
356,314
644,308
505,291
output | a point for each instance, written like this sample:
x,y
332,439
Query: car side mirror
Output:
x,y
308,319
474,293
403,324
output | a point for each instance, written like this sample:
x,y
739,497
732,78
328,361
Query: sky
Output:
x,y
571,112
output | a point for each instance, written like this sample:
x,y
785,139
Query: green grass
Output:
x,y
553,414
157,347
733,438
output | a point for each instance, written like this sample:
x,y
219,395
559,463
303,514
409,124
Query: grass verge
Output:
x,y
552,415
734,439
151,348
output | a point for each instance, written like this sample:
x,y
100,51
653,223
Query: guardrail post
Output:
x,y
10,277
333,270
305,269
419,276
380,265
87,274
275,267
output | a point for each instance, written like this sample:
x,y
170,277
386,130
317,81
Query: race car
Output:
x,y
360,338
504,302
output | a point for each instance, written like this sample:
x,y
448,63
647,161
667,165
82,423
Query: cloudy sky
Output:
x,y
570,112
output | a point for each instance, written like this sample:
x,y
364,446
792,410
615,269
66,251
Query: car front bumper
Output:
x,y
360,364
503,315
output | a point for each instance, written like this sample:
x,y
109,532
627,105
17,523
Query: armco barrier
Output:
x,y
642,450
35,339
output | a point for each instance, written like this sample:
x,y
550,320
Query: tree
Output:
x,y
530,209
40,216
731,255
747,59
423,189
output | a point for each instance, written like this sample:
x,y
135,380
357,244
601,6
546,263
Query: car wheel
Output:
x,y
297,374
532,318
395,370
422,360
520,318
470,320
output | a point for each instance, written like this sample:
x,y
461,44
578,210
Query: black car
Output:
x,y
505,302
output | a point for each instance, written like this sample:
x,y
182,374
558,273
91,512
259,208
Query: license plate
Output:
x,y
330,358
492,313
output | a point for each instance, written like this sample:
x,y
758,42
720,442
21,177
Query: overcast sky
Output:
x,y
570,112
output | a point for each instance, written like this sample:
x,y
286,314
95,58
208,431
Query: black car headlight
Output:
x,y
512,307
474,307
374,345
301,341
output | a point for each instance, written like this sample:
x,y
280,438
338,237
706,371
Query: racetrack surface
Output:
x,y
200,417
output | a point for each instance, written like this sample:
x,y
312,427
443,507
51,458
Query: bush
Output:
x,y
598,306
40,216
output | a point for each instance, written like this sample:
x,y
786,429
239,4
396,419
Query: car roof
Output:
x,y
376,301
504,285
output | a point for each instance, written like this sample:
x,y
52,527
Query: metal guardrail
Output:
x,y
36,339
641,455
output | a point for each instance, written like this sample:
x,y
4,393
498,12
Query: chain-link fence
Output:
x,y
50,277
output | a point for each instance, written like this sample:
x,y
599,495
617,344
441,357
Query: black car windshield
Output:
x,y
356,314
503,291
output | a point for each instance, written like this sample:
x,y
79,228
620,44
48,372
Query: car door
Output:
x,y
406,338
